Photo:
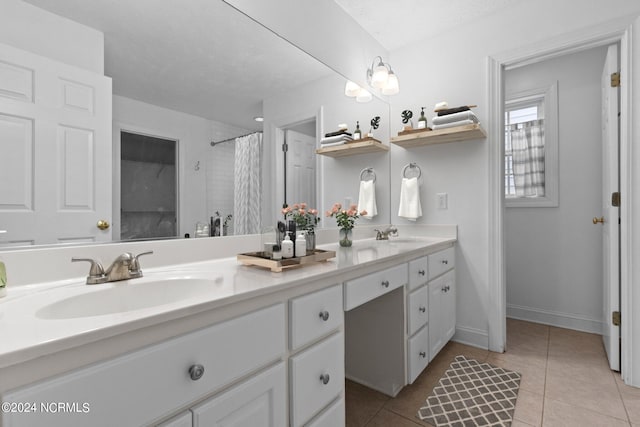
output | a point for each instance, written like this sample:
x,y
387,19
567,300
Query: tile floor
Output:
x,y
566,381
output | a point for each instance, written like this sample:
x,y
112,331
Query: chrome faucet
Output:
x,y
125,266
384,235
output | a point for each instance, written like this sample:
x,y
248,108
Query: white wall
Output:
x,y
452,68
339,178
33,29
554,255
194,135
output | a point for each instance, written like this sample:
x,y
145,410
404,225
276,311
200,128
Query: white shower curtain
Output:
x,y
247,184
527,143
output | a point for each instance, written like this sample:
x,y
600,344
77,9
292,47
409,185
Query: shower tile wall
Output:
x,y
147,213
220,173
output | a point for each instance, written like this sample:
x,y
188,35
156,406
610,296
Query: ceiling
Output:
x,y
400,22
204,58
201,57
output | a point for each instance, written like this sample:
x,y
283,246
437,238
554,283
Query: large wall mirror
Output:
x,y
188,79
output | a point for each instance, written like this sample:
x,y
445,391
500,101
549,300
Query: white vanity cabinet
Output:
x,y
143,386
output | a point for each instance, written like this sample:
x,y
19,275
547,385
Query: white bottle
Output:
x,y
287,247
301,245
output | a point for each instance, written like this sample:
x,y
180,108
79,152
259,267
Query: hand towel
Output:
x,y
410,199
453,124
367,199
464,115
337,138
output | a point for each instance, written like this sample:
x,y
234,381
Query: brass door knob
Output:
x,y
103,224
598,220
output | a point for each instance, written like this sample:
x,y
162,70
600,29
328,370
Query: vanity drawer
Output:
x,y
441,261
371,286
418,272
333,416
417,354
161,373
317,377
314,315
417,306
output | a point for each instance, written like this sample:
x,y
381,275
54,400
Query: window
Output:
x,y
531,149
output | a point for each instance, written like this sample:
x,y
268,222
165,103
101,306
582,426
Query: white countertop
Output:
x,y
26,336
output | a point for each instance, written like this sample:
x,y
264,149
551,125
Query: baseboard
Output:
x,y
552,318
471,336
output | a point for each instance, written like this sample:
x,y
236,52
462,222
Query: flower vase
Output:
x,y
346,237
310,236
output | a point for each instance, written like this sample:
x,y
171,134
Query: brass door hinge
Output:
x,y
616,318
615,80
615,199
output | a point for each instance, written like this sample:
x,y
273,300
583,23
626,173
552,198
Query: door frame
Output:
x,y
618,31
277,127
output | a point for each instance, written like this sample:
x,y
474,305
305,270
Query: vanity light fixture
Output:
x,y
381,76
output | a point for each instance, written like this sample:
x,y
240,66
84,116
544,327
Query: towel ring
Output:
x,y
411,166
368,171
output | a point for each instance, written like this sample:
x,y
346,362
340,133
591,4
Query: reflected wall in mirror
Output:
x,y
203,77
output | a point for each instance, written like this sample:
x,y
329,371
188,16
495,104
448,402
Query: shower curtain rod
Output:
x,y
214,143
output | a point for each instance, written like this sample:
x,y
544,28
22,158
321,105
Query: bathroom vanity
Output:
x,y
247,346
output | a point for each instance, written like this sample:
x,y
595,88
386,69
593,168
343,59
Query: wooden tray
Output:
x,y
256,258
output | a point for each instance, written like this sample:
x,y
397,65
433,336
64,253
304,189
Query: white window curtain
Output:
x,y
247,184
527,145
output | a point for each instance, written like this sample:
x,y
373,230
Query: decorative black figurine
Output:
x,y
375,122
406,116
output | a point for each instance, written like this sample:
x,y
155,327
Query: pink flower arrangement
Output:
x,y
305,218
346,218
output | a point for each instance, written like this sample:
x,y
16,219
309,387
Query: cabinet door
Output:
x,y
259,401
436,321
449,305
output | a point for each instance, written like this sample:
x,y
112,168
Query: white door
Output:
x,y
610,214
55,151
301,168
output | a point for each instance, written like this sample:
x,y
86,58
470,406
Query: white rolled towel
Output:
x,y
455,117
367,199
410,207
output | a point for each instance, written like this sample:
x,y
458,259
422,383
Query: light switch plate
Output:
x,y
442,200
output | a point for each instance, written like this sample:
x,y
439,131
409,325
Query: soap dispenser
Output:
x,y
422,121
301,245
287,247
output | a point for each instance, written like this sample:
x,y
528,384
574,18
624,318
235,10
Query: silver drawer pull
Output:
x,y
444,261
324,378
422,309
422,272
324,315
423,354
385,283
196,372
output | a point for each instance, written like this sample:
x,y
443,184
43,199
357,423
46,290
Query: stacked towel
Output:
x,y
410,207
336,138
367,199
454,119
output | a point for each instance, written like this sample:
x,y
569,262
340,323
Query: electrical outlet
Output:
x,y
442,200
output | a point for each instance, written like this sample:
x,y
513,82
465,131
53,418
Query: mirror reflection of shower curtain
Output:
x,y
247,184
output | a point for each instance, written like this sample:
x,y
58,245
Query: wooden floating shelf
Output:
x,y
360,146
440,136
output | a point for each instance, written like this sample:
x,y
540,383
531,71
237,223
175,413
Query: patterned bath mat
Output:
x,y
471,393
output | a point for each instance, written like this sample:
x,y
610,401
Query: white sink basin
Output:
x,y
130,295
